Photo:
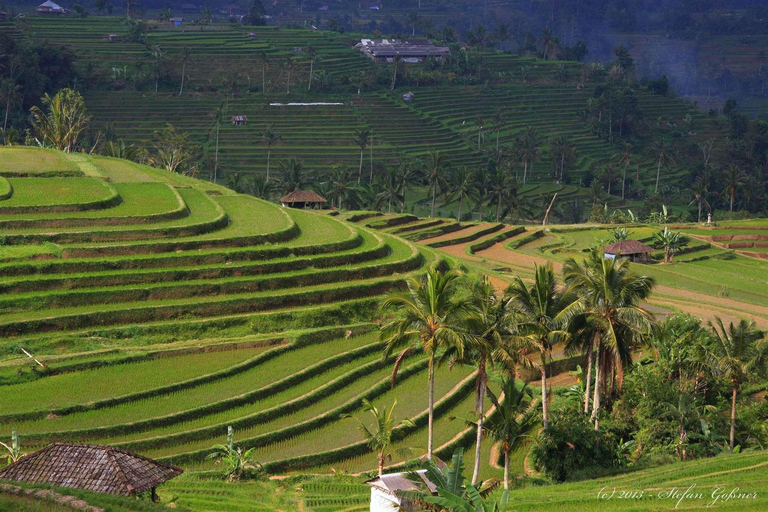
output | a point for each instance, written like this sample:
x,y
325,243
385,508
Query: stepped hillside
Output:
x,y
162,309
256,76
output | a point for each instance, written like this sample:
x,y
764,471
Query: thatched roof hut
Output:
x,y
303,199
93,468
632,249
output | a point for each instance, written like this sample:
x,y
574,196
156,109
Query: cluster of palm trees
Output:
x,y
458,318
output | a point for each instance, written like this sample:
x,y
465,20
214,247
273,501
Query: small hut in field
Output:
x,y
306,199
93,468
636,251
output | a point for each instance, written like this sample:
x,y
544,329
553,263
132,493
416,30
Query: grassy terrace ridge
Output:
x,y
141,203
35,162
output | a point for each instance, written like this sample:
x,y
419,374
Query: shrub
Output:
x,y
571,444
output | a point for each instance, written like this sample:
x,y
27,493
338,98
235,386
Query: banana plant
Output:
x,y
14,449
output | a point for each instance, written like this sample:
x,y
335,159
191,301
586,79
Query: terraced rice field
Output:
x,y
721,272
180,308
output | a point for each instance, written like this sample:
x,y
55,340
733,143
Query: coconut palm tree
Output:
x,y
700,190
535,309
264,59
362,138
291,175
479,123
609,176
157,55
408,174
184,57
342,186
10,95
528,150
738,353
513,421
428,318
608,295
499,121
662,152
269,137
499,186
562,151
390,190
735,180
488,327
312,55
218,117
625,156
380,438
436,167
463,184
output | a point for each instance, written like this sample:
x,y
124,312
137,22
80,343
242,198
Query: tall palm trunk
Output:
x,y
461,200
623,182
658,174
434,196
183,74
498,208
699,221
480,409
596,399
370,157
360,169
311,73
269,153
216,162
544,404
381,462
733,196
506,470
7,109
263,77
525,170
733,419
430,427
589,378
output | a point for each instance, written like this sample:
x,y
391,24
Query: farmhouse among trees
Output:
x,y
411,50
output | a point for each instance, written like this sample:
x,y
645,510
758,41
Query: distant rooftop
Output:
x,y
383,48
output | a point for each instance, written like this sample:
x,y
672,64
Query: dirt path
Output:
x,y
700,305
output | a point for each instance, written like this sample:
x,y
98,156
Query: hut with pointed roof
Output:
x,y
49,7
636,251
306,199
93,468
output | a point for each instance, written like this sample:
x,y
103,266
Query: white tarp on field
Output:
x,y
301,104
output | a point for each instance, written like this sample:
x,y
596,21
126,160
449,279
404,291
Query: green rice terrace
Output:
x,y
155,311
266,78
